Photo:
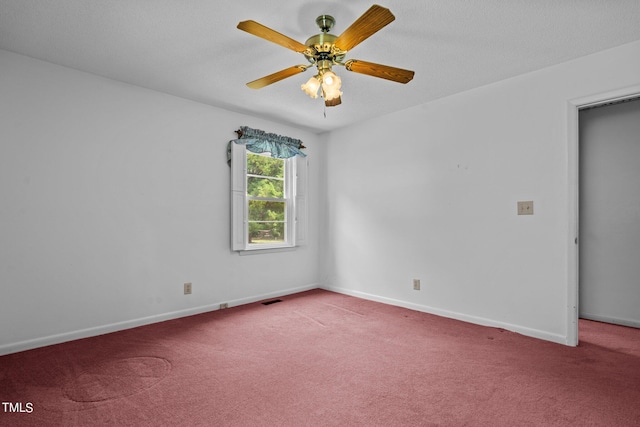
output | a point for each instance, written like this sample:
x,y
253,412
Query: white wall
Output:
x,y
113,196
431,193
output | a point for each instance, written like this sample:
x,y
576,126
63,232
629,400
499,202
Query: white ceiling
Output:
x,y
192,48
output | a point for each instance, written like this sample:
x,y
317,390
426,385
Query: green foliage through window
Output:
x,y
264,166
265,187
265,180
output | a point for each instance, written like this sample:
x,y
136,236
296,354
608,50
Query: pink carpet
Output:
x,y
325,359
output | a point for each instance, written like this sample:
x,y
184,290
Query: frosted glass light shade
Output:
x,y
331,85
311,87
331,94
331,81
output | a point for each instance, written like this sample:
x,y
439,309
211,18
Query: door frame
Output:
x,y
573,142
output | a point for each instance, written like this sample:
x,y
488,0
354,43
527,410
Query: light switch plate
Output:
x,y
525,208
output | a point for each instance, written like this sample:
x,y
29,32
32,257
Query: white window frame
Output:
x,y
295,195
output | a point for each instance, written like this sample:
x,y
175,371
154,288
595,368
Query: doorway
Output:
x,y
609,212
572,243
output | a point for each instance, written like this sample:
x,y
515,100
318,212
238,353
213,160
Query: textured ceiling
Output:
x,y
192,49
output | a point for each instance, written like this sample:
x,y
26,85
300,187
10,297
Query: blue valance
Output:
x,y
258,141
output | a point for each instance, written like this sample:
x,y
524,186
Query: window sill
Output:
x,y
266,250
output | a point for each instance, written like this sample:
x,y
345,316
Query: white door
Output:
x,y
609,213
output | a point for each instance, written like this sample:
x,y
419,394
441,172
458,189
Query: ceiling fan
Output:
x,y
325,50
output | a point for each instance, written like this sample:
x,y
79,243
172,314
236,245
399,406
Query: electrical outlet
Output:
x,y
416,284
187,288
525,208
224,305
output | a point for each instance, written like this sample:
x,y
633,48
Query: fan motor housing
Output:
x,y
322,44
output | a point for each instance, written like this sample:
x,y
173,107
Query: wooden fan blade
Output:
x,y
276,77
252,27
378,70
372,21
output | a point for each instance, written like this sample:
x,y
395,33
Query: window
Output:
x,y
268,196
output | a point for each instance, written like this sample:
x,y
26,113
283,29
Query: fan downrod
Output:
x,y
325,22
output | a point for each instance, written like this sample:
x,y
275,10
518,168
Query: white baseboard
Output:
x,y
615,320
119,326
133,323
534,333
256,298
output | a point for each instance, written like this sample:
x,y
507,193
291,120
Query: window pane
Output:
x,y
264,166
266,221
265,187
266,232
260,210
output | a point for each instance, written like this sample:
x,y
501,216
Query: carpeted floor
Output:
x,y
323,359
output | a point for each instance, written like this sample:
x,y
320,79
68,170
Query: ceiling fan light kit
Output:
x,y
311,86
325,50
